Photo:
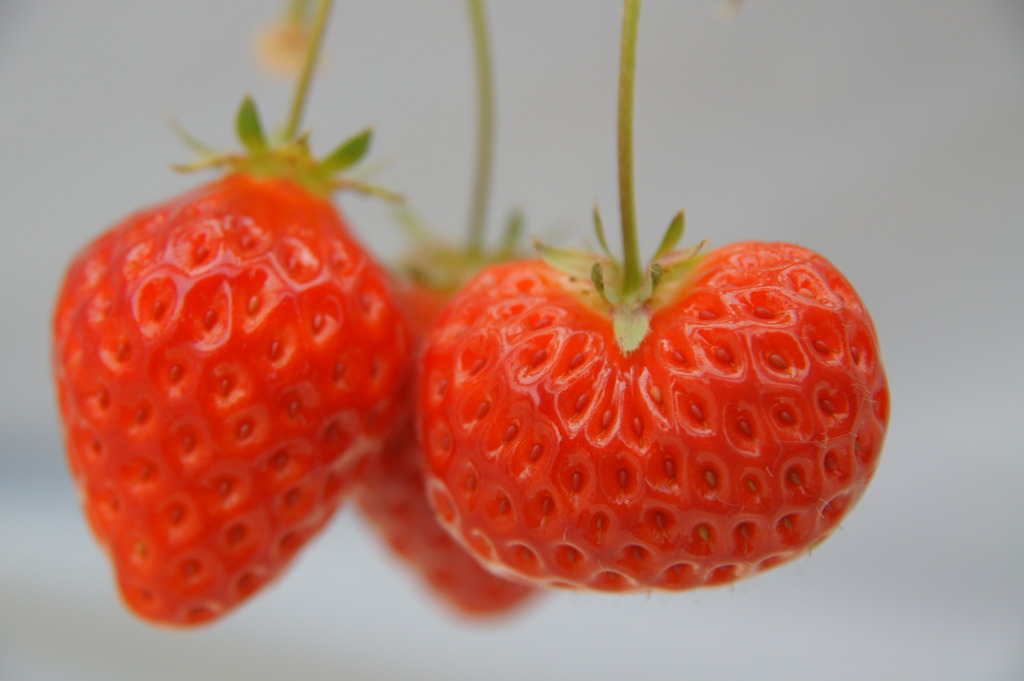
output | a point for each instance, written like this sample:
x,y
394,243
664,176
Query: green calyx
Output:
x,y
630,303
264,156
628,290
287,154
445,267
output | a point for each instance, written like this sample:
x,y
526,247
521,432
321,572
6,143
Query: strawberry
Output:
x,y
391,491
735,437
592,423
223,361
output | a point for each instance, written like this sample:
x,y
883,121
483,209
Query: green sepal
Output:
x,y
597,276
190,140
510,237
657,272
410,222
672,235
675,264
369,189
599,229
249,127
607,277
631,322
348,153
577,264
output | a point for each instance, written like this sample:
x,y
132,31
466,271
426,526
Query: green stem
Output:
x,y
633,274
485,130
308,67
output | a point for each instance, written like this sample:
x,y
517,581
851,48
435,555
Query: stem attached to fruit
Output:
x,y
323,9
633,272
485,130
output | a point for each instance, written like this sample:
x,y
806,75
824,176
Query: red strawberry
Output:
x,y
734,437
223,362
391,492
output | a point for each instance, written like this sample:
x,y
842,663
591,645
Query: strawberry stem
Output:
x,y
633,272
485,130
291,128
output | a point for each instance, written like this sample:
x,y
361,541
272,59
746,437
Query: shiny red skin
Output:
x,y
391,491
736,437
223,362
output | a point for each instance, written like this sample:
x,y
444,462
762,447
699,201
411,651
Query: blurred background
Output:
x,y
888,136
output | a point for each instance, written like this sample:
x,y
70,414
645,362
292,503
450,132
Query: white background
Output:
x,y
887,135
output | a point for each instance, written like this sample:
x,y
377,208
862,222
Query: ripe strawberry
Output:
x,y
391,491
736,435
223,361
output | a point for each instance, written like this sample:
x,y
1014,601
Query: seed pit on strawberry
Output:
x,y
189,569
663,475
123,351
510,433
743,537
711,478
835,508
140,551
744,427
300,263
247,584
236,535
788,529
200,614
102,401
679,576
781,355
288,543
609,580
138,477
524,558
292,497
636,558
771,562
154,305
110,501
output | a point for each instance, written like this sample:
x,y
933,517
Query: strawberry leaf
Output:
x,y
249,127
348,153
